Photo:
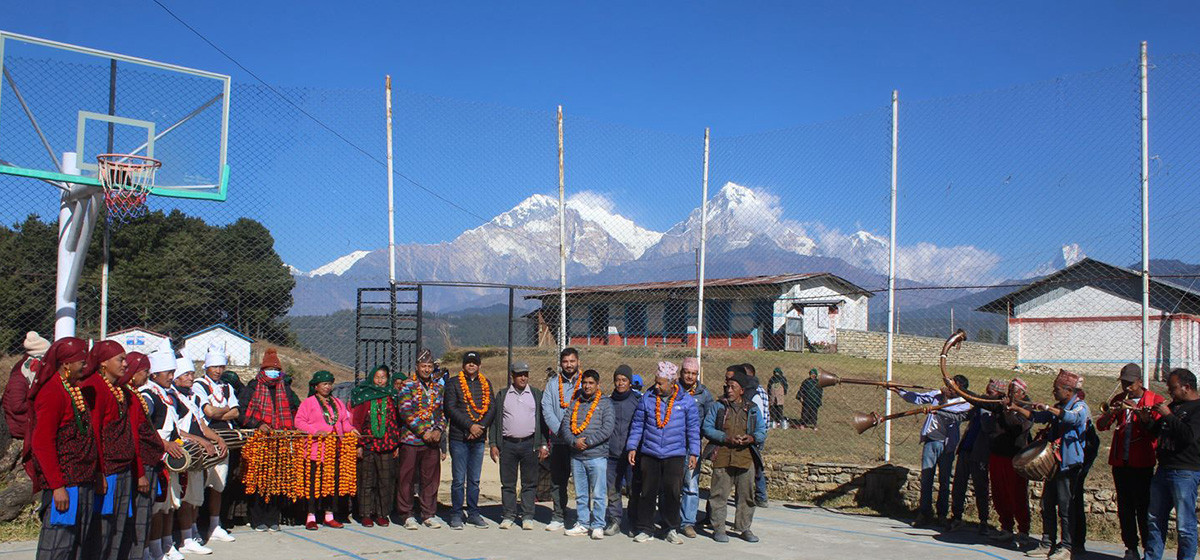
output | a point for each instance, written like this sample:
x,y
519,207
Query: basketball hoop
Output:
x,y
127,179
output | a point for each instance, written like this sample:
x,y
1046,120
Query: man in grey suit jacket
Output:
x,y
518,442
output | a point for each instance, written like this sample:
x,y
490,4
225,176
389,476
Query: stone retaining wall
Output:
x,y
911,349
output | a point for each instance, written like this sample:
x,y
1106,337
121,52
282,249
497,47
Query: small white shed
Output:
x,y
139,340
236,344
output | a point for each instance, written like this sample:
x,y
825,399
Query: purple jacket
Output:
x,y
680,437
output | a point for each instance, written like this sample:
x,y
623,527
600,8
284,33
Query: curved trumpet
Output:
x,y
955,339
863,422
826,379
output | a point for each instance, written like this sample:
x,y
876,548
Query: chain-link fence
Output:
x,y
1018,220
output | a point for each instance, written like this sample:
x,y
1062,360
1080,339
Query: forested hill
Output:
x,y
170,273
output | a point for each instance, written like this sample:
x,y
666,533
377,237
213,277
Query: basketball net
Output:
x,y
127,179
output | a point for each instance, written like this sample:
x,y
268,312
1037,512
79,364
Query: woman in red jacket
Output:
x,y
60,452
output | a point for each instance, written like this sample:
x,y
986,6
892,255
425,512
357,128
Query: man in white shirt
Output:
x,y
219,403
193,426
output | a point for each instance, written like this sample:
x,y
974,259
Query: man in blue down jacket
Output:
x,y
664,441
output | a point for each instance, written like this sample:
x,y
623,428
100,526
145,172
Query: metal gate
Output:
x,y
387,328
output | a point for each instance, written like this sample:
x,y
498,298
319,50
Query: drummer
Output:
x,y
164,418
193,427
1068,419
220,407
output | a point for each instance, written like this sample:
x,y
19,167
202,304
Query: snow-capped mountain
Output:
x,y
1070,254
340,265
737,216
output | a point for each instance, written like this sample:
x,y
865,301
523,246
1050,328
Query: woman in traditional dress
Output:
x,y
377,419
322,413
60,452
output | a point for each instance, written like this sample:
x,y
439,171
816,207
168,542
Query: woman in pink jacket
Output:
x,y
322,413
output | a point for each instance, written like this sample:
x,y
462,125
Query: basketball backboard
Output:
x,y
57,98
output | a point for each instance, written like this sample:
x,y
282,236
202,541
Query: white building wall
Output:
x,y
236,347
137,340
1088,301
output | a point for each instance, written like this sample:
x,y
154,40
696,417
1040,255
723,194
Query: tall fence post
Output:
x,y
511,297
562,241
891,329
1145,220
703,241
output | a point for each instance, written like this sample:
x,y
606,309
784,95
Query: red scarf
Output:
x,y
269,403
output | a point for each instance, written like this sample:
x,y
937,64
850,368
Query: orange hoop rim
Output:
x,y
124,160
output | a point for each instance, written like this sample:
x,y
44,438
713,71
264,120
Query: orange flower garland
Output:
x,y
278,464
473,412
658,420
575,427
561,398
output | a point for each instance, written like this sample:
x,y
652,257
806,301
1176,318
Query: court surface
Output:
x,y
787,531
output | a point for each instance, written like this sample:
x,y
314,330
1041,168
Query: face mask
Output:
x,y
272,373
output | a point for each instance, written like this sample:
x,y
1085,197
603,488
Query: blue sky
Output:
x,y
640,80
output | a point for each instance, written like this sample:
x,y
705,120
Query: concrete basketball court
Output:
x,y
787,531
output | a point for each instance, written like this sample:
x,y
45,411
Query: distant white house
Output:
x,y
1088,318
236,344
139,340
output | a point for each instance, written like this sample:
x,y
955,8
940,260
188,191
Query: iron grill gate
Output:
x,y
387,328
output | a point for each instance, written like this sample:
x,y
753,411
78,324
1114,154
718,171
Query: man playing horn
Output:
x,y
1132,456
1174,485
1068,419
939,437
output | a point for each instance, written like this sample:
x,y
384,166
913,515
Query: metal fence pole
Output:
x,y
891,329
1145,221
562,241
703,241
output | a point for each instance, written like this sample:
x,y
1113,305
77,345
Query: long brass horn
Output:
x,y
863,422
826,379
951,343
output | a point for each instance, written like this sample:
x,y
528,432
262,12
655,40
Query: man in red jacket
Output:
x,y
1132,456
16,393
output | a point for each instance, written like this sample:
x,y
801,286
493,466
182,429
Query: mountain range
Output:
x,y
747,235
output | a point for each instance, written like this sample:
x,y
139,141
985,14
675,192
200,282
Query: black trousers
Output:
x,y
1058,517
1079,512
560,478
518,458
266,513
973,472
662,486
376,483
1133,503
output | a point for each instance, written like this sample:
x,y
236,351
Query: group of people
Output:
x,y
98,426
1155,461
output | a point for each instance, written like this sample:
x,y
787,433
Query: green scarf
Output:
x,y
367,390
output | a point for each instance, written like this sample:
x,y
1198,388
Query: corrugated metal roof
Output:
x,y
744,281
1099,272
137,329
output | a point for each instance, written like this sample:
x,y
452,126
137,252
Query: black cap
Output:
x,y
1131,372
471,358
519,367
741,379
625,371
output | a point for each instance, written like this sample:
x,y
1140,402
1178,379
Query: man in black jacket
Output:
x,y
469,409
518,442
1174,484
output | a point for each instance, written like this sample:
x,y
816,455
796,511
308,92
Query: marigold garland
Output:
x,y
575,427
473,412
562,398
117,394
659,421
278,464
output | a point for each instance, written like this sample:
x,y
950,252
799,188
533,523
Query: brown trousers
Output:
x,y
422,464
741,483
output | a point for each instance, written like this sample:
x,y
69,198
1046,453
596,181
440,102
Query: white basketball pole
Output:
x,y
77,213
1145,221
703,241
891,328
562,241
391,200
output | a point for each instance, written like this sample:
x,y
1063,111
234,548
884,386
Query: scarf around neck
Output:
x,y
269,403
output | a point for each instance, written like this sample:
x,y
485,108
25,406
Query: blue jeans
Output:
x,y
591,485
690,500
466,460
935,457
760,480
1173,489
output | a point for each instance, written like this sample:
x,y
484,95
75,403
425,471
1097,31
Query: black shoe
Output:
x,y
761,503
477,521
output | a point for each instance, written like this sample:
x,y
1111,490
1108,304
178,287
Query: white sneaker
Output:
x,y
193,546
673,537
411,524
433,523
554,525
597,534
507,524
577,531
173,554
221,535
527,525
643,537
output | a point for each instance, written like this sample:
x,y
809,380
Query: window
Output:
x,y
598,320
718,315
675,317
635,319
764,315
